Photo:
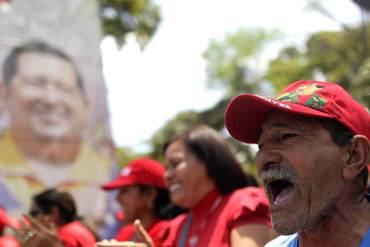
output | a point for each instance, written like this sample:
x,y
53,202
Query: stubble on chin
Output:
x,y
304,219
287,223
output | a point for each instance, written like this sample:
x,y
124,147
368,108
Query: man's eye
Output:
x,y
175,163
36,82
65,89
286,136
171,164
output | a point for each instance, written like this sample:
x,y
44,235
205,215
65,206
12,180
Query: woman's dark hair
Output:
x,y
213,150
63,201
163,207
341,136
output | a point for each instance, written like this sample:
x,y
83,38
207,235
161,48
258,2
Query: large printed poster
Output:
x,y
53,112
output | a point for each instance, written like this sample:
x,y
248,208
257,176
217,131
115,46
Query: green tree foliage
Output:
x,y
232,62
121,17
188,119
291,65
179,123
340,56
124,155
231,65
361,83
214,116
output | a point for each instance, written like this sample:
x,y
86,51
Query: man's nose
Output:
x,y
267,155
52,94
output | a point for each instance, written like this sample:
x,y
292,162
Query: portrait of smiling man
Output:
x,y
46,105
313,154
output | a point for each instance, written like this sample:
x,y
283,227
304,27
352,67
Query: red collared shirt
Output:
x,y
74,234
214,217
158,231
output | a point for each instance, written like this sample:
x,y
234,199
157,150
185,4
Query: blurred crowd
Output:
x,y
313,160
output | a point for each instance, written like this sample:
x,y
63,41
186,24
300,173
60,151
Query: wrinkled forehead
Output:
x,y
285,120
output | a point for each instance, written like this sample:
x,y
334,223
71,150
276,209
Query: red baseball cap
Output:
x,y
246,113
145,171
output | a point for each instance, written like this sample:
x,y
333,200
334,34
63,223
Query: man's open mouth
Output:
x,y
280,184
280,190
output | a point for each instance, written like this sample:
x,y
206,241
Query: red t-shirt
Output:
x,y
74,234
216,215
158,231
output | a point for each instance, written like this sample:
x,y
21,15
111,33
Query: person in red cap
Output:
x,y
313,141
142,195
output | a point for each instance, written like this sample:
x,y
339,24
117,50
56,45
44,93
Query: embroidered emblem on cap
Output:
x,y
126,171
315,100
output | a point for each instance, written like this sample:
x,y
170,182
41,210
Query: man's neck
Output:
x,y
346,227
48,150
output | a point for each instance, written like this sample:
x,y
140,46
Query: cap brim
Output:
x,y
118,183
246,113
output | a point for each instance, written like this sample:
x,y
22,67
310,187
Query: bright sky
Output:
x,y
146,89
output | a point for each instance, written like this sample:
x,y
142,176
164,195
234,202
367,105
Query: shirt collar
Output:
x,y
207,202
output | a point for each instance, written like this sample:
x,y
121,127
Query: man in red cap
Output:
x,y
142,195
313,153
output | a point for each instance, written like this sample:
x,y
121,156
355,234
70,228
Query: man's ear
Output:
x,y
357,158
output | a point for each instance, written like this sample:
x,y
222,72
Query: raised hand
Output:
x,y
36,234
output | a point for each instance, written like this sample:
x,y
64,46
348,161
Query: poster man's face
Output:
x,y
44,98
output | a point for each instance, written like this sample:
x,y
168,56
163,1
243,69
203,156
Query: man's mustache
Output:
x,y
278,173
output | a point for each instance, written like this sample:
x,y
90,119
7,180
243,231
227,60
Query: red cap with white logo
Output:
x,y
144,171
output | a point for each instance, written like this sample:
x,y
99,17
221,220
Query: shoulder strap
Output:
x,y
185,231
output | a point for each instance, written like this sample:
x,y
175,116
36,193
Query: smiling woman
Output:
x,y
204,177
